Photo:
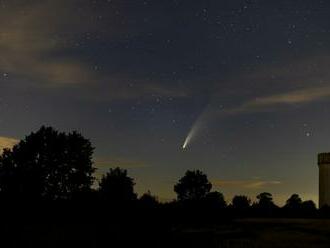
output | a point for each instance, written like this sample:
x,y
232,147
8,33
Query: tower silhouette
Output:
x,y
324,179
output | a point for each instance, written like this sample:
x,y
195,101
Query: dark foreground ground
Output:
x,y
273,233
104,227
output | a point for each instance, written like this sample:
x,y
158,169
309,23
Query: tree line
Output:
x,y
52,165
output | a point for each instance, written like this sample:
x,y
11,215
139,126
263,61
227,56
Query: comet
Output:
x,y
195,129
203,120
188,138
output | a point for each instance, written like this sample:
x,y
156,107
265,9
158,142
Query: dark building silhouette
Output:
x,y
324,179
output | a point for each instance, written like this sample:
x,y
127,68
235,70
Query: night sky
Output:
x,y
246,81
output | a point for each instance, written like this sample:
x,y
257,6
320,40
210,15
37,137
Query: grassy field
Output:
x,y
239,233
250,233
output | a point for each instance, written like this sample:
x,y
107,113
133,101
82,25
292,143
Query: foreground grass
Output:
x,y
74,229
250,233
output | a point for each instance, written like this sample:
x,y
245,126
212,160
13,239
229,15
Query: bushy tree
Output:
x,y
308,206
148,200
265,200
215,199
194,185
241,202
294,202
47,164
117,186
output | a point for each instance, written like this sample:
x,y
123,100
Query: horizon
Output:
x,y
218,185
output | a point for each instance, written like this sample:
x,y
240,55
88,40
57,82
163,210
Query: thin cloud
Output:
x,y
7,142
34,42
27,41
248,184
296,81
302,96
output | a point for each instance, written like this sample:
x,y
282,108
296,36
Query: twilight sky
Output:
x,y
247,81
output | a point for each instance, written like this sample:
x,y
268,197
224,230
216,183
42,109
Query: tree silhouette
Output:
x,y
241,202
194,185
215,199
308,206
294,202
148,200
117,186
265,200
47,164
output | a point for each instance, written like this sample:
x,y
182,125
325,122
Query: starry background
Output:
x,y
135,77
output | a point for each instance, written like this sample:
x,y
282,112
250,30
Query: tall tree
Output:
x,y
194,185
47,164
117,186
